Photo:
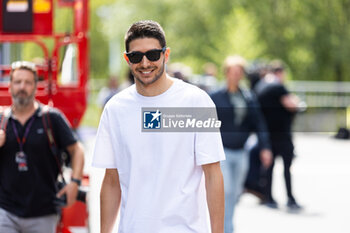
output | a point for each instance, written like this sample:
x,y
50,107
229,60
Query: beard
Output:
x,y
22,98
156,77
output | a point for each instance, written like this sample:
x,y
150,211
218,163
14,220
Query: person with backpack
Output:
x,y
29,165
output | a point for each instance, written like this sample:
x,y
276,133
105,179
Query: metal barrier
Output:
x,y
328,105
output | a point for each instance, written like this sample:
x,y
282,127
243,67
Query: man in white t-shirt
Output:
x,y
157,176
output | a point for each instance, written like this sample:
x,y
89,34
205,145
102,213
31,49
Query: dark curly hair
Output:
x,y
145,29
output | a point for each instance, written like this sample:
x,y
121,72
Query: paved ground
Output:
x,y
321,181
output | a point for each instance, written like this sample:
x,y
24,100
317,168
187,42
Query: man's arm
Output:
x,y
290,102
71,190
77,152
266,157
214,184
110,200
262,134
2,137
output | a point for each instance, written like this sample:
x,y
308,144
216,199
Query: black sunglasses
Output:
x,y
152,55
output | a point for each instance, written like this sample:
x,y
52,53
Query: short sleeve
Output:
x,y
280,91
103,155
208,145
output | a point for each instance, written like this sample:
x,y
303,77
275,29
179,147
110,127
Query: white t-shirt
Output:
x,y
160,172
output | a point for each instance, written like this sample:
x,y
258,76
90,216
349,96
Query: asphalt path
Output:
x,y
321,183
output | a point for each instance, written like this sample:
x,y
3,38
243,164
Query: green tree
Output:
x,y
310,36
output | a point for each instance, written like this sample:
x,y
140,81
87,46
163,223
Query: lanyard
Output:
x,y
21,142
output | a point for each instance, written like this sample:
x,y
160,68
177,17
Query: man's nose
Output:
x,y
144,62
22,85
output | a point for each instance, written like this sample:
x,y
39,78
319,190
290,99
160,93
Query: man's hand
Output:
x,y
2,137
71,190
76,150
266,157
290,102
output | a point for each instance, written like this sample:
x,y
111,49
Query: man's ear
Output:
x,y
126,58
167,54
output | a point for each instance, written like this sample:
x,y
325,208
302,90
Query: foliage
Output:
x,y
310,36
93,112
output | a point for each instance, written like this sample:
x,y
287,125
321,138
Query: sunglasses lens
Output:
x,y
153,55
135,57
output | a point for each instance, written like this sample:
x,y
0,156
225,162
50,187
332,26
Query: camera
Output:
x,y
62,201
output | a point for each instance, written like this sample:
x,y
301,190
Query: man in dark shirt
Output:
x,y
239,113
28,168
278,107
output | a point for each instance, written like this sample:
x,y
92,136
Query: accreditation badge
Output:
x,y
21,160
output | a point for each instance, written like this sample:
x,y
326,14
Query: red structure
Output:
x,y
32,21
62,77
75,218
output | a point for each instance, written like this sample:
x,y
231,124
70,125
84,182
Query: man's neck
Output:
x,y
156,88
22,113
232,87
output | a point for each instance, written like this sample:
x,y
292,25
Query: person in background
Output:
x,y
279,107
28,167
256,177
108,91
208,80
240,115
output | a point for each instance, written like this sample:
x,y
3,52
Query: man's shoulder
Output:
x,y
50,111
218,93
44,109
268,87
220,96
52,115
278,89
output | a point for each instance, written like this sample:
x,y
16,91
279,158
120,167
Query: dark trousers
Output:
x,y
256,180
285,149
